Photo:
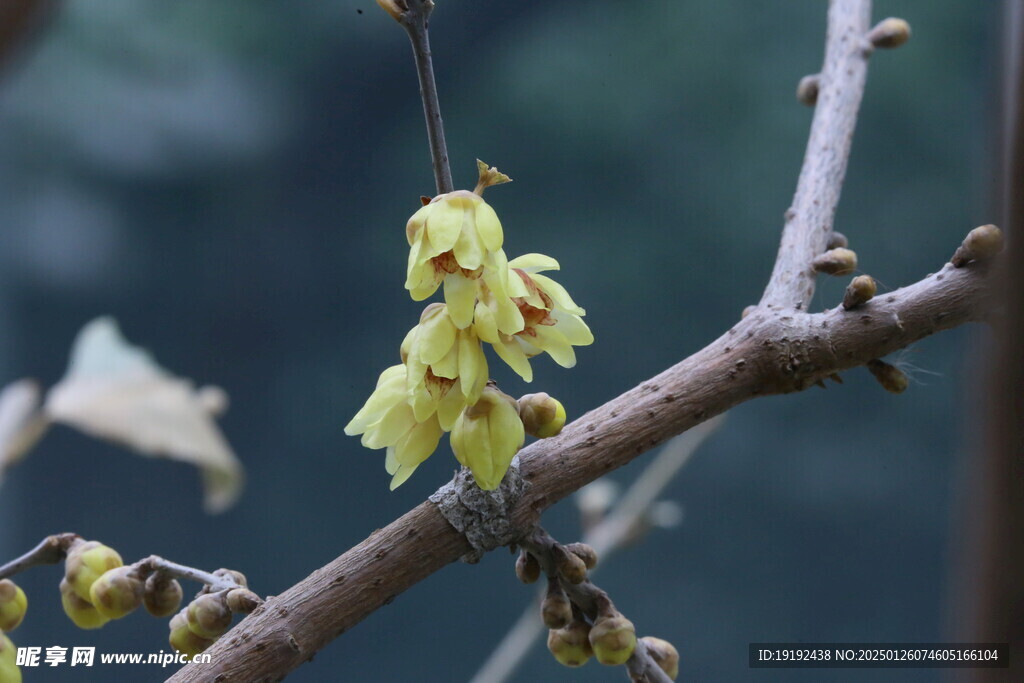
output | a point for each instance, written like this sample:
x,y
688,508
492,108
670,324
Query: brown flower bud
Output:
x,y
527,567
81,612
584,552
209,616
570,566
613,639
807,90
889,33
394,7
571,645
117,593
837,239
242,600
890,377
236,576
162,596
556,610
981,244
664,655
838,261
860,290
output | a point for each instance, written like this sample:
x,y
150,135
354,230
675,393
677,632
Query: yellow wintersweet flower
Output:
x,y
451,239
487,436
551,320
387,420
447,368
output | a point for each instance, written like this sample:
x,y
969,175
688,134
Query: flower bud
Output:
x,y
807,90
664,655
486,437
162,596
613,639
860,290
837,239
393,7
838,261
236,576
542,415
571,567
527,567
86,562
571,645
9,671
982,243
117,593
889,376
13,605
242,600
889,33
556,610
81,612
209,616
584,552
183,639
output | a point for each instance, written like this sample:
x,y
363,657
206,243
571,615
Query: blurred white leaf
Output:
x,y
22,424
117,391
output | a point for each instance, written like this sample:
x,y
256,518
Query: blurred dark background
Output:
x,y
231,181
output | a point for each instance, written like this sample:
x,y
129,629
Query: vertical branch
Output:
x,y
415,20
809,219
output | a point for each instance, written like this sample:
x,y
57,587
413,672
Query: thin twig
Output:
x,y
605,538
416,20
51,550
214,583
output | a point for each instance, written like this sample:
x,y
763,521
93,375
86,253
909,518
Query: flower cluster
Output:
x,y
442,384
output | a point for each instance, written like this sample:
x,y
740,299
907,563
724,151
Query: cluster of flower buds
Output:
x,y
200,623
573,637
13,605
442,384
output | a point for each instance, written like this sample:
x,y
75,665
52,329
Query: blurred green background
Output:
x,y
231,181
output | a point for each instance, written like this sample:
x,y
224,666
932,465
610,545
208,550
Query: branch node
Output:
x,y
483,517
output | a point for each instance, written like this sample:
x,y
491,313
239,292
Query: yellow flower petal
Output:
x,y
558,294
477,442
483,323
402,475
469,250
436,336
572,326
390,391
489,227
533,263
448,366
451,406
419,443
510,352
393,426
444,223
390,462
472,366
554,342
460,295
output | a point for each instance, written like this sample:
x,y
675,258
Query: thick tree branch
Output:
x,y
766,353
809,218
